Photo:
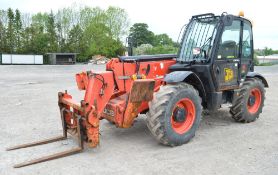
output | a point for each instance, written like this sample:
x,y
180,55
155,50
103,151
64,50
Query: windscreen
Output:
x,y
199,34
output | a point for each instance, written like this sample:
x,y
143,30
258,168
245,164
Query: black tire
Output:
x,y
161,110
239,110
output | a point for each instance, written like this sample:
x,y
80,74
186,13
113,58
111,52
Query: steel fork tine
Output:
x,y
26,145
56,155
50,157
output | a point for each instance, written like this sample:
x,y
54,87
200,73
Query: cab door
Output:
x,y
246,63
227,62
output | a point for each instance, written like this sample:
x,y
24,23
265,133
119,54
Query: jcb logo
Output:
x,y
229,74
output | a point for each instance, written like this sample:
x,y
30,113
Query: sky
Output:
x,y
168,16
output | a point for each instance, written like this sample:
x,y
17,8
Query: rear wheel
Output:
x,y
174,114
250,102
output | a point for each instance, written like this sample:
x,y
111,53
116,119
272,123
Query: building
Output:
x,y
20,59
61,58
268,59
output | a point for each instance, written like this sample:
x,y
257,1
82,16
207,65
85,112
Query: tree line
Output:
x,y
84,30
87,31
146,42
266,51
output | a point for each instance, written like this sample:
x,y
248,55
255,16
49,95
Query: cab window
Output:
x,y
229,43
246,41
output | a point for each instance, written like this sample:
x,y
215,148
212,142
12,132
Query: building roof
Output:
x,y
62,53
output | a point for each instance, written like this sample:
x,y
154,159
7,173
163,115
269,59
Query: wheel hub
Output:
x,y
183,116
251,100
254,100
180,115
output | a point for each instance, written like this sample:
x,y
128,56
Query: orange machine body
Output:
x,y
118,94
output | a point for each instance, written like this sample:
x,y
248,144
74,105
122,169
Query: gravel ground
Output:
x,y
29,111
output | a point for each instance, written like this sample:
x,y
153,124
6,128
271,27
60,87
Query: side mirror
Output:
x,y
129,46
228,20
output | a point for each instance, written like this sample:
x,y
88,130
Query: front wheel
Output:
x,y
174,114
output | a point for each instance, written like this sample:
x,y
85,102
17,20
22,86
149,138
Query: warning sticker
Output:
x,y
229,74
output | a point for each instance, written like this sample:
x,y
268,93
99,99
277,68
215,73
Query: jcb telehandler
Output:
x,y
214,66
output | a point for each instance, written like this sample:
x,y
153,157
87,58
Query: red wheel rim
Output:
x,y
254,93
189,107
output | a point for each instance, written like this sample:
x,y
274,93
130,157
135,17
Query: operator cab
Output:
x,y
219,49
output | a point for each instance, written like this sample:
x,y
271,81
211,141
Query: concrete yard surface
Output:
x,y
29,112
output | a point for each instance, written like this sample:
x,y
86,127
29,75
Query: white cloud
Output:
x,y
169,16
